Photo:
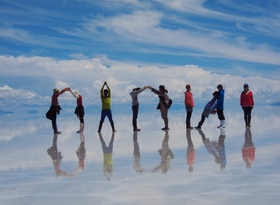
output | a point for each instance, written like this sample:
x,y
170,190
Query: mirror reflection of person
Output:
x,y
211,146
108,156
81,154
248,149
221,150
136,153
166,155
56,158
190,151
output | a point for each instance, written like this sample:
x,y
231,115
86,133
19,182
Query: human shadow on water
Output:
x,y
108,156
217,149
81,154
136,153
166,155
190,151
56,158
248,149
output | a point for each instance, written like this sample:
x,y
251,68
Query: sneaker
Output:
x,y
219,126
197,128
137,130
190,128
248,126
57,132
79,131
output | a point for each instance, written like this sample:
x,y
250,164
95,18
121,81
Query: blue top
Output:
x,y
220,103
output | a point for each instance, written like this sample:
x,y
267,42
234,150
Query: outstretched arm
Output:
x,y
74,95
63,90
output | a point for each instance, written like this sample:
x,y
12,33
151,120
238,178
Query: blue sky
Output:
x,y
46,44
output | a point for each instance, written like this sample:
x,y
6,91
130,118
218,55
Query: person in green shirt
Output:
x,y
105,96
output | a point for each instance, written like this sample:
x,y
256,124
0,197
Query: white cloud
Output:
x,y
87,76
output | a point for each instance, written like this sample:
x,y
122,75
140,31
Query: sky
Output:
x,y
131,43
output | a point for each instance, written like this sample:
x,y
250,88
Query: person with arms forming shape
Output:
x,y
79,111
220,106
189,103
55,108
105,96
247,104
163,104
135,106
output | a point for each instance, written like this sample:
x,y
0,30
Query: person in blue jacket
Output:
x,y
220,106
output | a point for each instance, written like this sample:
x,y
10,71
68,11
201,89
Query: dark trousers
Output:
x,y
201,121
188,119
247,114
135,109
54,126
220,113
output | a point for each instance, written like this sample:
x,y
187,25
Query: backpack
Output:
x,y
169,103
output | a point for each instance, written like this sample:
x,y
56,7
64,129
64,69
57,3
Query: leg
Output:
x,y
201,121
188,120
103,115
110,117
135,109
164,114
54,126
221,117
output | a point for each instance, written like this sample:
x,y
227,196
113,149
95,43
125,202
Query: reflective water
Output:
x,y
212,166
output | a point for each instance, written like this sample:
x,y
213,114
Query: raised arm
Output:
x,y
74,94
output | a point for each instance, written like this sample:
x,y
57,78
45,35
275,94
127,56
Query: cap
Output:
x,y
245,85
55,90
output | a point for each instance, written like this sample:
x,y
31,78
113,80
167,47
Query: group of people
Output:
x,y
215,105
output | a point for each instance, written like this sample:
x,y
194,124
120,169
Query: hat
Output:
x,y
77,93
55,90
245,85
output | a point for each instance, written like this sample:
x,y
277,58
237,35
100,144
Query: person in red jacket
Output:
x,y
247,104
189,103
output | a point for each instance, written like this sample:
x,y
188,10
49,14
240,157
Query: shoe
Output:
x,y
57,132
165,128
137,130
248,126
190,128
219,126
197,128
79,131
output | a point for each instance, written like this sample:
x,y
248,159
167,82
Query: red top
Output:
x,y
246,99
191,157
79,100
55,99
189,99
248,153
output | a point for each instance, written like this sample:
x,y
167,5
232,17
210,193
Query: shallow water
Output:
x,y
147,167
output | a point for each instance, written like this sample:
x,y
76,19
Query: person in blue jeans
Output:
x,y
105,96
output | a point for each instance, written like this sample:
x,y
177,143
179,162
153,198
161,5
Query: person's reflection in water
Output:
x,y
190,151
221,150
211,146
248,150
108,156
81,154
136,153
166,155
56,158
